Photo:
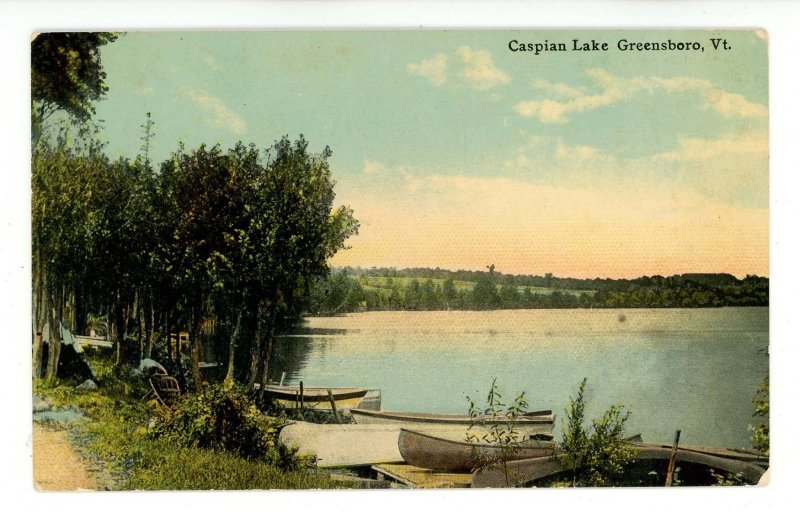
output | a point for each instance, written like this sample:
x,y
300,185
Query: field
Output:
x,y
384,286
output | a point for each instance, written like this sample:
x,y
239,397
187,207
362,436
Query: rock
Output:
x,y
147,367
64,416
72,365
41,404
88,385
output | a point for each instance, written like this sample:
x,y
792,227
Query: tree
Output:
x,y
485,295
65,211
203,217
293,230
67,73
449,292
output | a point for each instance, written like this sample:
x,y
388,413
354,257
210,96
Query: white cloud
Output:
x,y
730,168
210,60
614,89
374,168
559,89
434,69
697,149
734,105
220,116
479,69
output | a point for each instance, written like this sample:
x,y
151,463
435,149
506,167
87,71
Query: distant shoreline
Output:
x,y
333,315
424,289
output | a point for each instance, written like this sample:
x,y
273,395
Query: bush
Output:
x,y
496,423
760,435
597,456
223,417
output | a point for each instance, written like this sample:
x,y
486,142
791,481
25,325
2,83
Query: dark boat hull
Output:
x,y
522,472
431,452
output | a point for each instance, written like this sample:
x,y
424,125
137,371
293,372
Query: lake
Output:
x,y
690,369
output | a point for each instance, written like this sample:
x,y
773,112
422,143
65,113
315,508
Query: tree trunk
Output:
x,y
139,319
39,320
80,309
149,322
118,327
266,353
54,346
232,343
195,334
255,352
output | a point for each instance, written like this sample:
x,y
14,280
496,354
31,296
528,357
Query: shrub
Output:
x,y
496,424
223,417
596,456
760,435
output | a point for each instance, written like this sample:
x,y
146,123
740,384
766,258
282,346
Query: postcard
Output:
x,y
385,259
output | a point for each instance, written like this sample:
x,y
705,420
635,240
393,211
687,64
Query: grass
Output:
x,y
118,435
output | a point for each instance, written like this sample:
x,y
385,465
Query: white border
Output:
x,y
18,19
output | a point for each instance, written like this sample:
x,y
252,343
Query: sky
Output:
x,y
456,152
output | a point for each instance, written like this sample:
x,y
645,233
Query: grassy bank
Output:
x,y
116,435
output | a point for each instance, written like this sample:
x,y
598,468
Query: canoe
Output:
x,y
743,455
431,452
315,397
335,445
535,425
522,472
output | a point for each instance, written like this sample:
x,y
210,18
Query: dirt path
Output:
x,y
56,465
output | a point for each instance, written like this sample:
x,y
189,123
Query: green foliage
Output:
x,y
66,71
495,423
760,432
727,479
223,417
596,456
438,289
118,436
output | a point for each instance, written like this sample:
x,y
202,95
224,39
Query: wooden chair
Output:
x,y
165,388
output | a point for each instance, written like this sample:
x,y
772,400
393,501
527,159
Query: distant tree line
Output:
x,y
210,239
352,289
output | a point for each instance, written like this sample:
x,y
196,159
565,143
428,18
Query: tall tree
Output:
x,y
295,230
67,73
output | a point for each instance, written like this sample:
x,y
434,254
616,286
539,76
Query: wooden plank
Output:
x,y
361,483
423,478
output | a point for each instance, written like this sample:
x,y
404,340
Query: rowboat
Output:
x,y
534,425
317,397
336,445
430,452
521,472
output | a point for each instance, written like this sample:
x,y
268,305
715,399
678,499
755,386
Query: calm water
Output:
x,y
693,369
